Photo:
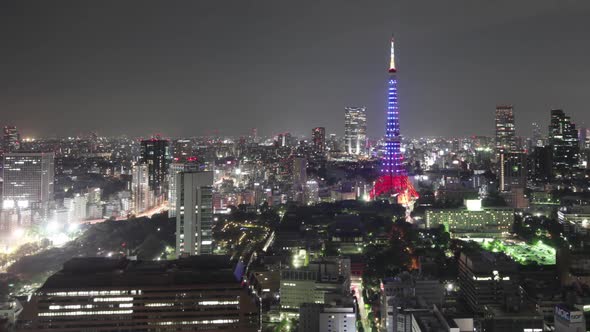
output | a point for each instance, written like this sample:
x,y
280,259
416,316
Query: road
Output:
x,y
148,213
357,287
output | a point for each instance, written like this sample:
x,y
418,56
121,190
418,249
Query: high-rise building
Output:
x,y
584,138
28,179
540,165
194,213
537,139
199,293
319,139
505,132
513,170
11,139
155,153
182,150
173,170
299,178
488,279
393,181
563,138
355,130
142,195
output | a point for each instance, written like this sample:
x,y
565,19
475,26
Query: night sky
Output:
x,y
185,68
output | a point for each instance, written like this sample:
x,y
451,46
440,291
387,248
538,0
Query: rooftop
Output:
x,y
106,272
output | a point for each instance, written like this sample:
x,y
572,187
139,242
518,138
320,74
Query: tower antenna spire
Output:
x,y
392,68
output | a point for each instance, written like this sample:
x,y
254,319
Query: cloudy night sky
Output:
x,y
185,68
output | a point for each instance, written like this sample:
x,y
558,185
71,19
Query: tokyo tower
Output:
x,y
393,181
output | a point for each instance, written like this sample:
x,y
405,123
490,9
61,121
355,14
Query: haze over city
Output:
x,y
187,69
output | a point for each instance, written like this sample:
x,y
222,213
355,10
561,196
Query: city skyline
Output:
x,y
74,74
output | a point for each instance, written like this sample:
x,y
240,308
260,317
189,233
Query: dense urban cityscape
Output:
x,y
320,232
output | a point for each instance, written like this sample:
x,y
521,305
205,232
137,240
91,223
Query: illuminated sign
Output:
x,y
569,316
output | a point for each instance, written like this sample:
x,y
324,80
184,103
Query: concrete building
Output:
x,y
513,170
142,195
569,319
355,130
155,153
173,171
575,219
487,279
100,294
28,180
194,213
319,283
473,220
11,139
563,139
505,130
319,139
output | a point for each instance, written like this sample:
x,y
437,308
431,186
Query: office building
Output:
x,y
563,139
569,319
100,294
513,170
155,153
541,164
472,220
173,170
355,130
28,180
575,219
141,194
318,135
505,131
312,192
334,317
194,213
320,282
488,279
11,139
537,138
182,151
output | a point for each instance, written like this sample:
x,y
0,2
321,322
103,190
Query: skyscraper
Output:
x,y
11,138
394,179
505,133
299,176
182,150
28,179
155,153
513,170
142,196
194,213
563,138
537,139
355,130
319,139
173,171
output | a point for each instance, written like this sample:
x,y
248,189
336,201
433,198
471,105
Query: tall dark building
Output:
x,y
182,150
563,139
155,153
513,170
11,139
319,139
540,164
505,132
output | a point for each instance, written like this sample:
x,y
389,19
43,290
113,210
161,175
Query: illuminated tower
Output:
x,y
394,180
